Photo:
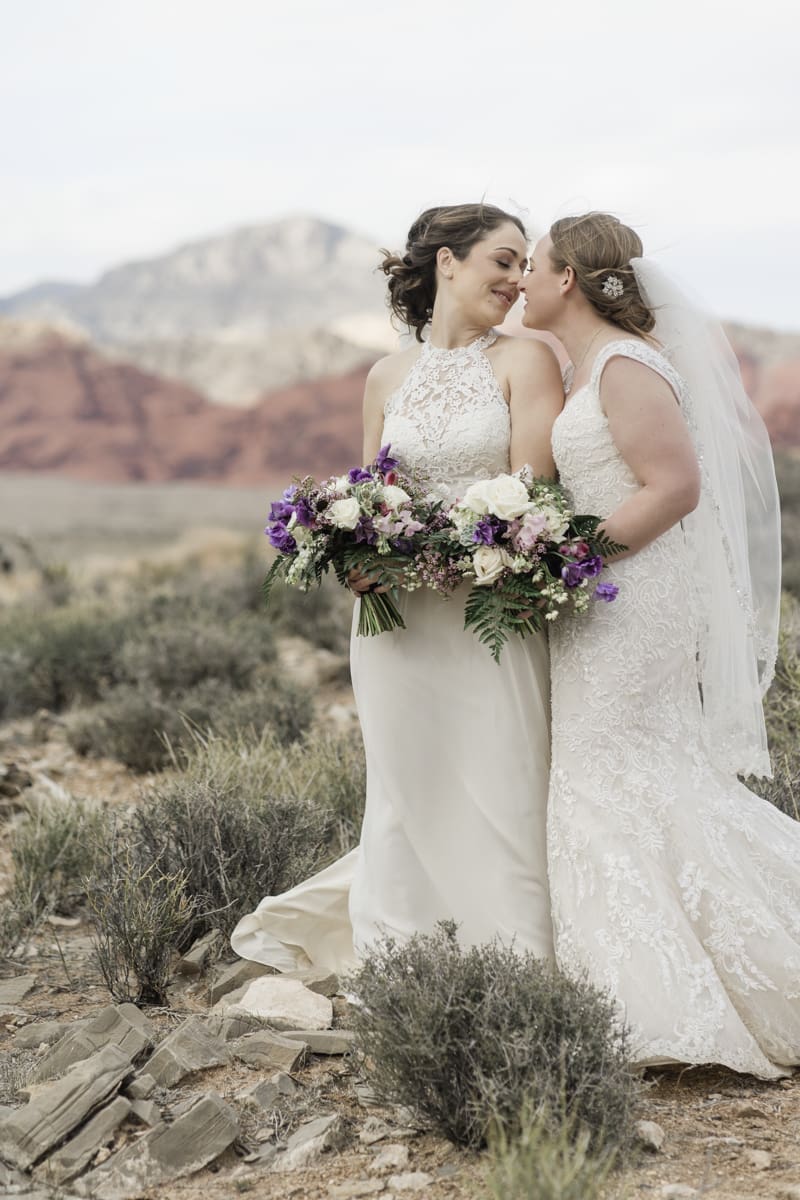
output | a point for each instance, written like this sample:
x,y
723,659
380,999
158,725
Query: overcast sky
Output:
x,y
129,128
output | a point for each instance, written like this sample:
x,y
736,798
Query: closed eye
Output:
x,y
504,265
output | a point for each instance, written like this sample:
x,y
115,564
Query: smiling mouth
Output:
x,y
506,299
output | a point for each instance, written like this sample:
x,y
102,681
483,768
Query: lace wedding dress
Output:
x,y
673,885
457,746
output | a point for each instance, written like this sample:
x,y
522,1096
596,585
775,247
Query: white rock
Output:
x,y
355,1188
411,1181
391,1158
760,1159
283,1004
678,1191
374,1130
650,1134
309,1141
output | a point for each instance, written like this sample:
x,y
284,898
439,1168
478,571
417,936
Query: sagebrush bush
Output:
x,y
139,912
174,657
57,658
546,1159
782,703
224,827
146,732
783,790
329,770
322,616
468,1038
55,846
788,472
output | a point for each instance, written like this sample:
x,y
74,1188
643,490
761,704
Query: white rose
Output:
x,y
489,562
340,485
556,525
507,497
474,497
344,513
395,496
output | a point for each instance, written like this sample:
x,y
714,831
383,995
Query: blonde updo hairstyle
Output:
x,y
597,245
412,276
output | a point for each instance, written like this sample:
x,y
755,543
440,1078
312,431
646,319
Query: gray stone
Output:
x,y
309,1142
166,1153
365,1095
12,1182
229,1028
188,1048
141,1087
266,1093
323,1041
760,1160
48,1118
393,1157
236,976
44,1032
374,1130
195,960
146,1111
283,1003
13,991
266,1049
262,1157
120,1025
70,1159
355,1188
650,1134
678,1191
325,983
410,1181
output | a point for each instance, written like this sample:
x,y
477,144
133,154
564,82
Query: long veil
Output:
x,y
733,534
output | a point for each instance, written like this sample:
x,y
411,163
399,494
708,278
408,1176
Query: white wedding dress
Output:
x,y
457,746
673,886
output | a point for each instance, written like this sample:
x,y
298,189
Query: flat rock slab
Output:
x,y
410,1181
141,1087
195,960
14,991
70,1159
283,1003
228,1028
146,1111
324,1041
168,1152
120,1025
51,1115
44,1032
309,1142
187,1049
236,976
266,1094
326,983
269,1050
355,1188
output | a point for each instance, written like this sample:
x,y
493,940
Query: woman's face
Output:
x,y
541,288
486,282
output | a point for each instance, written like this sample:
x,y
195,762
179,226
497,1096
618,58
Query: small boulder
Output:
x,y
282,1003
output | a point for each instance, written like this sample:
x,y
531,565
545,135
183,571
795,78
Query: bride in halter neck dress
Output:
x,y
673,886
457,746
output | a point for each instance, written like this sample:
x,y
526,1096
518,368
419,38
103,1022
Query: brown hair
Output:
x,y
597,245
412,276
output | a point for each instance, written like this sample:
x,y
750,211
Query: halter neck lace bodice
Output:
x,y
448,422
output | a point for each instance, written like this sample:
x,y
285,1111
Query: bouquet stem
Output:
x,y
378,613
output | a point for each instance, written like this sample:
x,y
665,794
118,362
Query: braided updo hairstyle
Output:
x,y
598,246
412,276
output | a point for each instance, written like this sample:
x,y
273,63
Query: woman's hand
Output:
x,y
360,583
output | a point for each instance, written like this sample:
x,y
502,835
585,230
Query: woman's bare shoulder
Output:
x,y
389,372
526,352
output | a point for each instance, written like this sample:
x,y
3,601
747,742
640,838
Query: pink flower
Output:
x,y
527,535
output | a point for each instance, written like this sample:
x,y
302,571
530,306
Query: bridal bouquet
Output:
x,y
373,519
530,557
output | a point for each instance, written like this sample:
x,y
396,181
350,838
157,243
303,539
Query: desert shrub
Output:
x,y
782,704
470,1038
175,656
190,590
322,616
221,825
329,770
788,472
17,1069
783,790
145,732
547,1159
55,847
15,930
139,910
56,658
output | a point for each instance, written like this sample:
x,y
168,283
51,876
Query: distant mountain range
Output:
x,y
123,379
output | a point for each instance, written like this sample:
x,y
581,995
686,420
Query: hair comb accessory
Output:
x,y
613,287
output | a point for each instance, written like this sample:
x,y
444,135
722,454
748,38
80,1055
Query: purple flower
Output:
x,y
488,531
591,566
383,461
402,545
290,492
365,531
304,512
359,475
572,574
280,538
606,591
281,510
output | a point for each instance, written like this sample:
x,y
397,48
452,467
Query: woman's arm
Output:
x,y
536,397
650,433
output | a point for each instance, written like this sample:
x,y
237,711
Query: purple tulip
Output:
x,y
572,574
383,461
606,591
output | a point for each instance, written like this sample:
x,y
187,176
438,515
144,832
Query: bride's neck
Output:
x,y
449,330
576,333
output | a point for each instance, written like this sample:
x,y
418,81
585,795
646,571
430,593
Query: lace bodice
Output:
x,y
448,422
589,464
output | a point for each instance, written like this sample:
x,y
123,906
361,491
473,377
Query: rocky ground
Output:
x,y
202,1100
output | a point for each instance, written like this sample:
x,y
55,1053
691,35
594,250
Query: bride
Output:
x,y
457,747
672,884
